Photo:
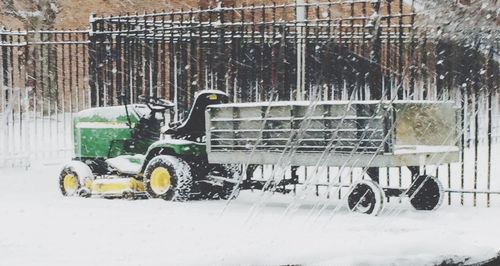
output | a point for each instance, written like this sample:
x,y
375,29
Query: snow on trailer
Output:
x,y
367,134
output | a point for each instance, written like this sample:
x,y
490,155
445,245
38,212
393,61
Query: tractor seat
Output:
x,y
127,164
194,125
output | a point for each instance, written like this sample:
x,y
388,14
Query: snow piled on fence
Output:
x,y
33,137
41,227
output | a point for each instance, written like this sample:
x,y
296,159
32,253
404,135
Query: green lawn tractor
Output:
x,y
120,151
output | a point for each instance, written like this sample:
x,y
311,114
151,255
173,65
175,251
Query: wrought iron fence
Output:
x,y
331,50
250,51
44,82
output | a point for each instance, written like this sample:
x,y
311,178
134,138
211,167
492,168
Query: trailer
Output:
x,y
365,134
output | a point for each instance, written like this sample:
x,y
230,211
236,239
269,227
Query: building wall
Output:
x,y
74,14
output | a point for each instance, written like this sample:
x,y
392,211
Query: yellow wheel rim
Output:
x,y
70,183
160,180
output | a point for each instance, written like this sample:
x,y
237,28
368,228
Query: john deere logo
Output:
x,y
212,97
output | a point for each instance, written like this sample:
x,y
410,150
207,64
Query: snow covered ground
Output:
x,y
40,227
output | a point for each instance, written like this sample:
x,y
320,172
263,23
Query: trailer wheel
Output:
x,y
169,178
366,197
426,193
75,179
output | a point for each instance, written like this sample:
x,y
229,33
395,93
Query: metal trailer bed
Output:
x,y
367,134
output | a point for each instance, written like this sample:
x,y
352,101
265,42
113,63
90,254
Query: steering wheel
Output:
x,y
156,104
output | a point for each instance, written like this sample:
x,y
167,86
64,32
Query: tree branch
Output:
x,y
12,11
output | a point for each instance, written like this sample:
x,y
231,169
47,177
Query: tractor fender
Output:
x,y
173,147
84,172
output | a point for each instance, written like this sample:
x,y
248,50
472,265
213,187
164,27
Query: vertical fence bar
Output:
x,y
388,55
36,92
412,60
12,100
489,92
129,68
145,57
173,68
241,93
154,60
463,104
220,58
162,57
92,61
210,52
182,64
264,81
101,59
3,102
139,64
118,71
252,84
375,69
78,85
476,143
111,63
303,55
400,50
28,95
64,73
201,53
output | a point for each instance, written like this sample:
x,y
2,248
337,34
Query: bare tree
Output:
x,y
37,15
34,14
463,20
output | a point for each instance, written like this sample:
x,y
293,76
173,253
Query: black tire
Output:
x,y
426,193
227,190
128,195
231,190
67,176
180,183
366,197
251,169
81,179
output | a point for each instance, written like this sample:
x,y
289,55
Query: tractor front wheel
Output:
x,y
75,179
169,178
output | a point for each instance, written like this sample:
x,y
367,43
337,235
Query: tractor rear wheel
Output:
x,y
168,177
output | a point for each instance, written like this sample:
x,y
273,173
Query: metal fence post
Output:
x,y
300,17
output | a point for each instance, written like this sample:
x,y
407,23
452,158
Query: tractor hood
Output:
x,y
100,132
